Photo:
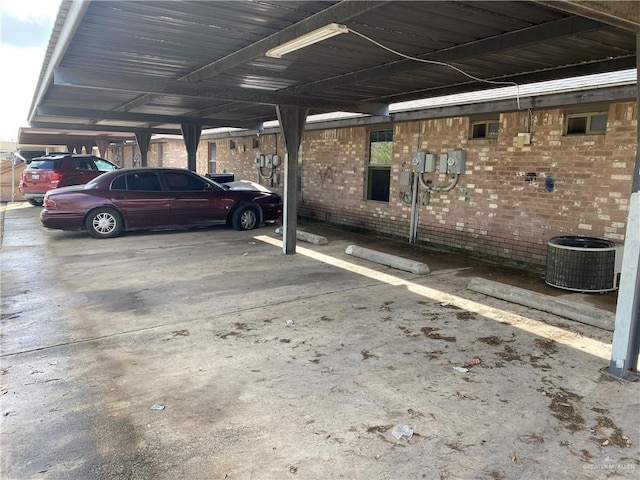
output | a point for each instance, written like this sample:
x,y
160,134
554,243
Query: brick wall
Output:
x,y
498,208
241,159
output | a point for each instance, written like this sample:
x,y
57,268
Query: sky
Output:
x,y
25,28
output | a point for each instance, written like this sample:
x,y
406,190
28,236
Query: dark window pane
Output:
x,y
146,181
119,183
378,184
183,182
577,125
479,130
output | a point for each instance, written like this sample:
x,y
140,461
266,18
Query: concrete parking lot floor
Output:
x,y
208,354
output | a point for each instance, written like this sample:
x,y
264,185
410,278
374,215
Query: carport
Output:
x,y
179,67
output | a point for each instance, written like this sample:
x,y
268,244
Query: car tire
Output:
x,y
104,223
36,202
245,218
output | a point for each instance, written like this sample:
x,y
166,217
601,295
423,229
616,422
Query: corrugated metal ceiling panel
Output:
x,y
169,40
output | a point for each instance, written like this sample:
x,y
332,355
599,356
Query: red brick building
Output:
x,y
531,174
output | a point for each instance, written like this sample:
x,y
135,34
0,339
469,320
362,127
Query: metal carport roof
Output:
x,y
152,66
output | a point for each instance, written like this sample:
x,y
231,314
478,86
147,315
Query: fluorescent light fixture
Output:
x,y
307,39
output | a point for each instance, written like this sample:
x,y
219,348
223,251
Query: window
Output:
x,y
379,168
103,165
587,123
140,181
120,183
232,144
485,129
212,157
45,164
82,164
184,182
160,153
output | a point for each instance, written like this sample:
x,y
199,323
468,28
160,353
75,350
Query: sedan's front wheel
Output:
x,y
245,218
104,223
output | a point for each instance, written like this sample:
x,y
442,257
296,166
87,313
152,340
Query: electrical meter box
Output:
x,y
417,162
423,161
453,161
406,178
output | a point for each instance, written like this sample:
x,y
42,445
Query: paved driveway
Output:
x,y
265,366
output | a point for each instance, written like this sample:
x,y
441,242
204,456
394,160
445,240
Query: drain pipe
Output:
x,y
413,223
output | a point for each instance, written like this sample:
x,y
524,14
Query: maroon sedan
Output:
x,y
157,198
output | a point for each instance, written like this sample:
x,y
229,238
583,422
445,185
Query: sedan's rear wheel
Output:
x,y
245,218
104,223
36,202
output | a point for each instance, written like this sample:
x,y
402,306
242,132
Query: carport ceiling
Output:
x,y
154,65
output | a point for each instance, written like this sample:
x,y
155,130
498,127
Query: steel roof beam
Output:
x,y
85,113
340,12
524,78
517,39
77,77
623,14
105,128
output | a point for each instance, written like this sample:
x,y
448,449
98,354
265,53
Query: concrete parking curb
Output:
x,y
307,237
573,311
390,260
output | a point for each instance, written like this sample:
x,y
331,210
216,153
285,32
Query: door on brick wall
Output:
x,y
379,167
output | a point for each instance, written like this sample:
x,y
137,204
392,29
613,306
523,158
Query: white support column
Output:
x,y
624,349
626,335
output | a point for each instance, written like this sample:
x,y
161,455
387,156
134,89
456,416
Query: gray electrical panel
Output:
x,y
443,162
406,179
457,161
453,161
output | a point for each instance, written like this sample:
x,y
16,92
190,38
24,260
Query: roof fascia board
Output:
x,y
139,83
74,15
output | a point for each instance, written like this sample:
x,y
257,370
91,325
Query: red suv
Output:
x,y
60,170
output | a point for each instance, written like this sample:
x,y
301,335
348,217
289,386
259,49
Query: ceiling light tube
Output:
x,y
307,39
